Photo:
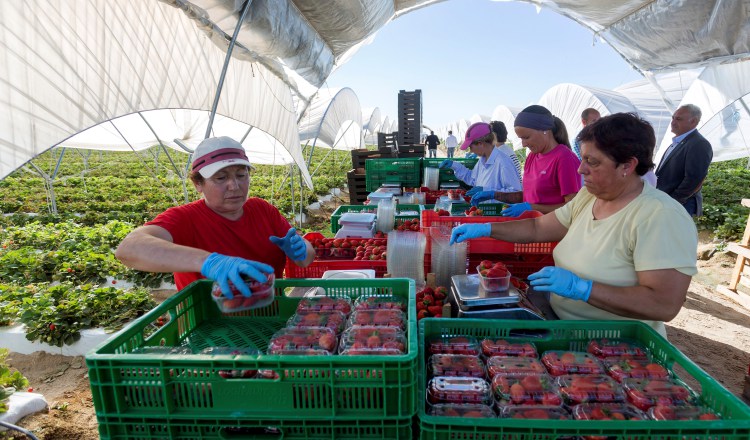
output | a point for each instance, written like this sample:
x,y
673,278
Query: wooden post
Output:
x,y
739,275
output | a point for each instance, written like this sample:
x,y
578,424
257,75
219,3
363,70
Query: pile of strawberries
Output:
x,y
430,302
408,225
492,269
351,248
474,211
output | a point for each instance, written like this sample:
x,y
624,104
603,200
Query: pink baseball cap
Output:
x,y
215,153
476,130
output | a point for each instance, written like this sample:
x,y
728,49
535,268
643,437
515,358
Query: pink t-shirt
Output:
x,y
549,177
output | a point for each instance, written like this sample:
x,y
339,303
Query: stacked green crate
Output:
x,y
575,336
312,396
403,212
407,172
447,175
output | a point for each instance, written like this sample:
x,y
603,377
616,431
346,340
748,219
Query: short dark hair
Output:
x,y
621,136
501,133
586,112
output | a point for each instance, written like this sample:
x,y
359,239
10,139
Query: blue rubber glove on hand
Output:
x,y
470,156
223,269
515,209
447,163
482,196
470,230
562,282
474,190
292,244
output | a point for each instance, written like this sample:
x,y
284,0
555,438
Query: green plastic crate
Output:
x,y
447,174
374,209
406,171
179,387
124,428
574,335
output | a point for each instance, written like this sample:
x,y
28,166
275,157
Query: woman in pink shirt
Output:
x,y
550,174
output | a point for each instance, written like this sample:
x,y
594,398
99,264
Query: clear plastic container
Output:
x,y
607,411
386,216
559,362
378,318
541,412
446,259
584,388
471,410
334,320
525,389
262,295
604,348
233,351
505,347
493,283
444,389
638,367
325,304
455,365
373,341
515,366
405,255
380,302
454,345
311,341
687,412
645,393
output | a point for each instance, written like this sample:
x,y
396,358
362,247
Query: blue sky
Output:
x,y
469,56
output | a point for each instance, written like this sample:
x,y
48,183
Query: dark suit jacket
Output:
x,y
681,174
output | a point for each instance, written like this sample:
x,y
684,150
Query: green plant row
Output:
x,y
56,314
726,185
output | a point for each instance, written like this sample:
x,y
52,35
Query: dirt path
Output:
x,y
711,330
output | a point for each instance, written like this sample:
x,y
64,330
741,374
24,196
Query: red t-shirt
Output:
x,y
196,225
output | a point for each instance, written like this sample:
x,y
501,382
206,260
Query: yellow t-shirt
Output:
x,y
652,232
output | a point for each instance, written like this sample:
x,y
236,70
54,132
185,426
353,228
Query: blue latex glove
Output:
x,y
447,163
474,190
482,196
562,282
470,156
223,269
515,209
470,230
292,244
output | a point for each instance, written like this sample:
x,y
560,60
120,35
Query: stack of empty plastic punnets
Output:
x,y
405,255
356,224
447,259
386,216
432,178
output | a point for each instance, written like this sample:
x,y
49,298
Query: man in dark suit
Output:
x,y
684,165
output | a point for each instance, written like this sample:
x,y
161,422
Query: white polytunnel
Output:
x,y
69,66
334,120
371,125
567,101
507,115
139,131
721,92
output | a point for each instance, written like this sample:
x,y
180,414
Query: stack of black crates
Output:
x,y
410,124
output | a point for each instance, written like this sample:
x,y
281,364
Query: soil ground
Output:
x,y
712,330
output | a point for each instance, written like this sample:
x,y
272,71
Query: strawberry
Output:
x,y
422,314
435,310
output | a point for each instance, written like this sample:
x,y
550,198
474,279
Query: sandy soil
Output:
x,y
712,330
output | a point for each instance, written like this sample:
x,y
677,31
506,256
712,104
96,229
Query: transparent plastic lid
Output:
x,y
525,389
325,303
603,348
310,341
684,412
559,362
607,411
454,345
373,341
584,388
514,366
622,367
444,389
508,347
540,412
332,319
645,393
470,410
455,365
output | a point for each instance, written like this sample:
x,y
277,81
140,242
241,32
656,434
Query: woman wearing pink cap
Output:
x,y
550,177
223,236
493,172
